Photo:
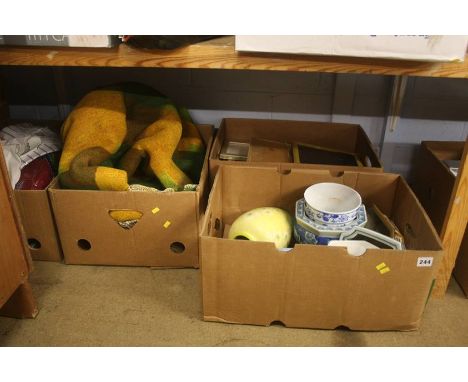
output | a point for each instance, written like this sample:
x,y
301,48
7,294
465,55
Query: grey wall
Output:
x,y
433,109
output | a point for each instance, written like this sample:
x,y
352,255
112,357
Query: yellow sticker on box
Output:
x,y
380,266
167,224
155,210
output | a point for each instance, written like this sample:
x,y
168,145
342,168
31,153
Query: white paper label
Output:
x,y
424,262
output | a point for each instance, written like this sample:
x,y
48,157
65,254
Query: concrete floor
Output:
x,y
124,306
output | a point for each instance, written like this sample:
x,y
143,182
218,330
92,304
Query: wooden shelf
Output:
x,y
220,54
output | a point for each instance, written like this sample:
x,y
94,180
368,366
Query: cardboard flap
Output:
x,y
207,132
266,150
337,135
445,149
412,220
365,151
213,210
244,190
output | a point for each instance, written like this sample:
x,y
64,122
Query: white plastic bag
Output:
x,y
23,143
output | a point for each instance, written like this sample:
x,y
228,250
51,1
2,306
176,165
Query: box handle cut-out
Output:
x,y
34,243
126,218
177,247
84,244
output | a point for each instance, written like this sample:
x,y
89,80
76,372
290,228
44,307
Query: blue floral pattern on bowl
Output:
x,y
308,231
337,218
303,236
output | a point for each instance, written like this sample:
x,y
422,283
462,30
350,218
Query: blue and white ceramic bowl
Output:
x,y
303,236
321,233
332,203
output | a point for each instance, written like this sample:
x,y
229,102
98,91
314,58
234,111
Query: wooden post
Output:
x,y
454,226
392,119
15,261
21,304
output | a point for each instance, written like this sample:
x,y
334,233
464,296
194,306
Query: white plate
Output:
x,y
373,236
355,247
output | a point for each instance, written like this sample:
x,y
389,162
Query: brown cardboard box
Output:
x,y
433,186
314,286
38,223
36,213
165,236
338,136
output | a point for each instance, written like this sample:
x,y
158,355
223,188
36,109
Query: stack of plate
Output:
x,y
326,211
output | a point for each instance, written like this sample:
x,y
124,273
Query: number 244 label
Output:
x,y
424,262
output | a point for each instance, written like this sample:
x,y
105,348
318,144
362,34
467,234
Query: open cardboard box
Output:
x,y
313,286
433,185
165,236
36,213
337,136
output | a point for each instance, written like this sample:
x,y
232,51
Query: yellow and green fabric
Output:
x,y
129,133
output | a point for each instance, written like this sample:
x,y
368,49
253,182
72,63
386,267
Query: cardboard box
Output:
x,y
38,223
406,47
338,136
433,186
73,41
36,215
165,236
312,286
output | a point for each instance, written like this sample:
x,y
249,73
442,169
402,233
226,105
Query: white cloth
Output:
x,y
23,143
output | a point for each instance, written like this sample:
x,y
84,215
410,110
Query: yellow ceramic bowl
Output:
x,y
263,224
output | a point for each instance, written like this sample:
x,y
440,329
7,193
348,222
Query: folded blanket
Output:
x,y
127,131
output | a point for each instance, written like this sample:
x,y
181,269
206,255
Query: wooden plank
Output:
x,y
454,226
5,186
391,121
460,272
21,304
220,54
14,266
